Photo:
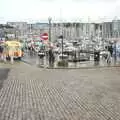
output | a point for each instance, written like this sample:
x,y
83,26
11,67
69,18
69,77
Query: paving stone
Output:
x,y
30,93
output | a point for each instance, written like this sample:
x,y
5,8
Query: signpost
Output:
x,y
44,36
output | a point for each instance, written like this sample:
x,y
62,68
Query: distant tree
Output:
x,y
77,25
58,24
6,26
60,37
68,25
1,26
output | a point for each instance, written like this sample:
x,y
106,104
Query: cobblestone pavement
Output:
x,y
30,93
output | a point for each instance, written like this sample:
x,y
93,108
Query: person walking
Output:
x,y
96,55
110,49
108,55
51,57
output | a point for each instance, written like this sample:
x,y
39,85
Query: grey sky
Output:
x,y
68,10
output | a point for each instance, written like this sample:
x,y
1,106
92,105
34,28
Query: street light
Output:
x,y
49,19
115,57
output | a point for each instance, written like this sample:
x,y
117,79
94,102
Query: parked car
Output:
x,y
57,50
80,57
65,57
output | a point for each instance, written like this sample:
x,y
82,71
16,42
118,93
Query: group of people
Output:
x,y
49,55
110,53
3,55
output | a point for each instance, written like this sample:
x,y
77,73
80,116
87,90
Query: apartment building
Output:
x,y
21,27
107,30
116,28
70,31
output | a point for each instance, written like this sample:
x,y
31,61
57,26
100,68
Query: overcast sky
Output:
x,y
66,10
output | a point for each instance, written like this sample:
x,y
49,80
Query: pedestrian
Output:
x,y
96,55
5,54
115,52
108,55
110,49
41,55
1,52
31,51
51,57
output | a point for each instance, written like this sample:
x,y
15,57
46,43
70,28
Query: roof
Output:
x,y
13,43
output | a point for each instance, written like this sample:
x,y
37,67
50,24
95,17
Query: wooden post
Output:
x,y
11,59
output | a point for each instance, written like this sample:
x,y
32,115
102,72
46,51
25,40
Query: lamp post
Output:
x,y
62,39
115,57
49,19
62,46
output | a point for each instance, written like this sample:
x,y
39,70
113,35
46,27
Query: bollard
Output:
x,y
37,60
11,59
46,62
4,58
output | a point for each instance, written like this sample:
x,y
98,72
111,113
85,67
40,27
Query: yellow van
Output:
x,y
13,48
